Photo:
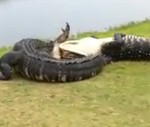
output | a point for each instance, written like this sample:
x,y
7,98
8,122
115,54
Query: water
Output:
x,y
44,18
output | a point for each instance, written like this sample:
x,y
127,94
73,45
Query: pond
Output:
x,y
44,18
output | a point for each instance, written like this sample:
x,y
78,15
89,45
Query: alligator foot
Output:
x,y
61,38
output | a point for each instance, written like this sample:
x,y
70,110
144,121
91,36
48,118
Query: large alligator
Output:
x,y
35,59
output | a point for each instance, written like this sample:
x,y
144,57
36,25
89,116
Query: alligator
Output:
x,y
35,60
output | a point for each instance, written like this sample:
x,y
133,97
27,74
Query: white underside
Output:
x,y
86,46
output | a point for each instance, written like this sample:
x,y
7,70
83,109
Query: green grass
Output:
x,y
136,28
117,97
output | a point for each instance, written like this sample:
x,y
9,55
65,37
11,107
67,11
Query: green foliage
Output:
x,y
137,28
4,50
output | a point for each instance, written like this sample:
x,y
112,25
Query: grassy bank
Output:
x,y
137,28
117,97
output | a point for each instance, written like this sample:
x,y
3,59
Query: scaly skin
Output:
x,y
32,61
128,47
41,67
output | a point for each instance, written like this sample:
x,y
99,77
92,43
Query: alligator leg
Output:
x,y
8,61
64,36
61,38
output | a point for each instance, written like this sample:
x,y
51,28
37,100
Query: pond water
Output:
x,y
44,18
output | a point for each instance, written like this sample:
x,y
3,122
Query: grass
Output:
x,y
117,97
